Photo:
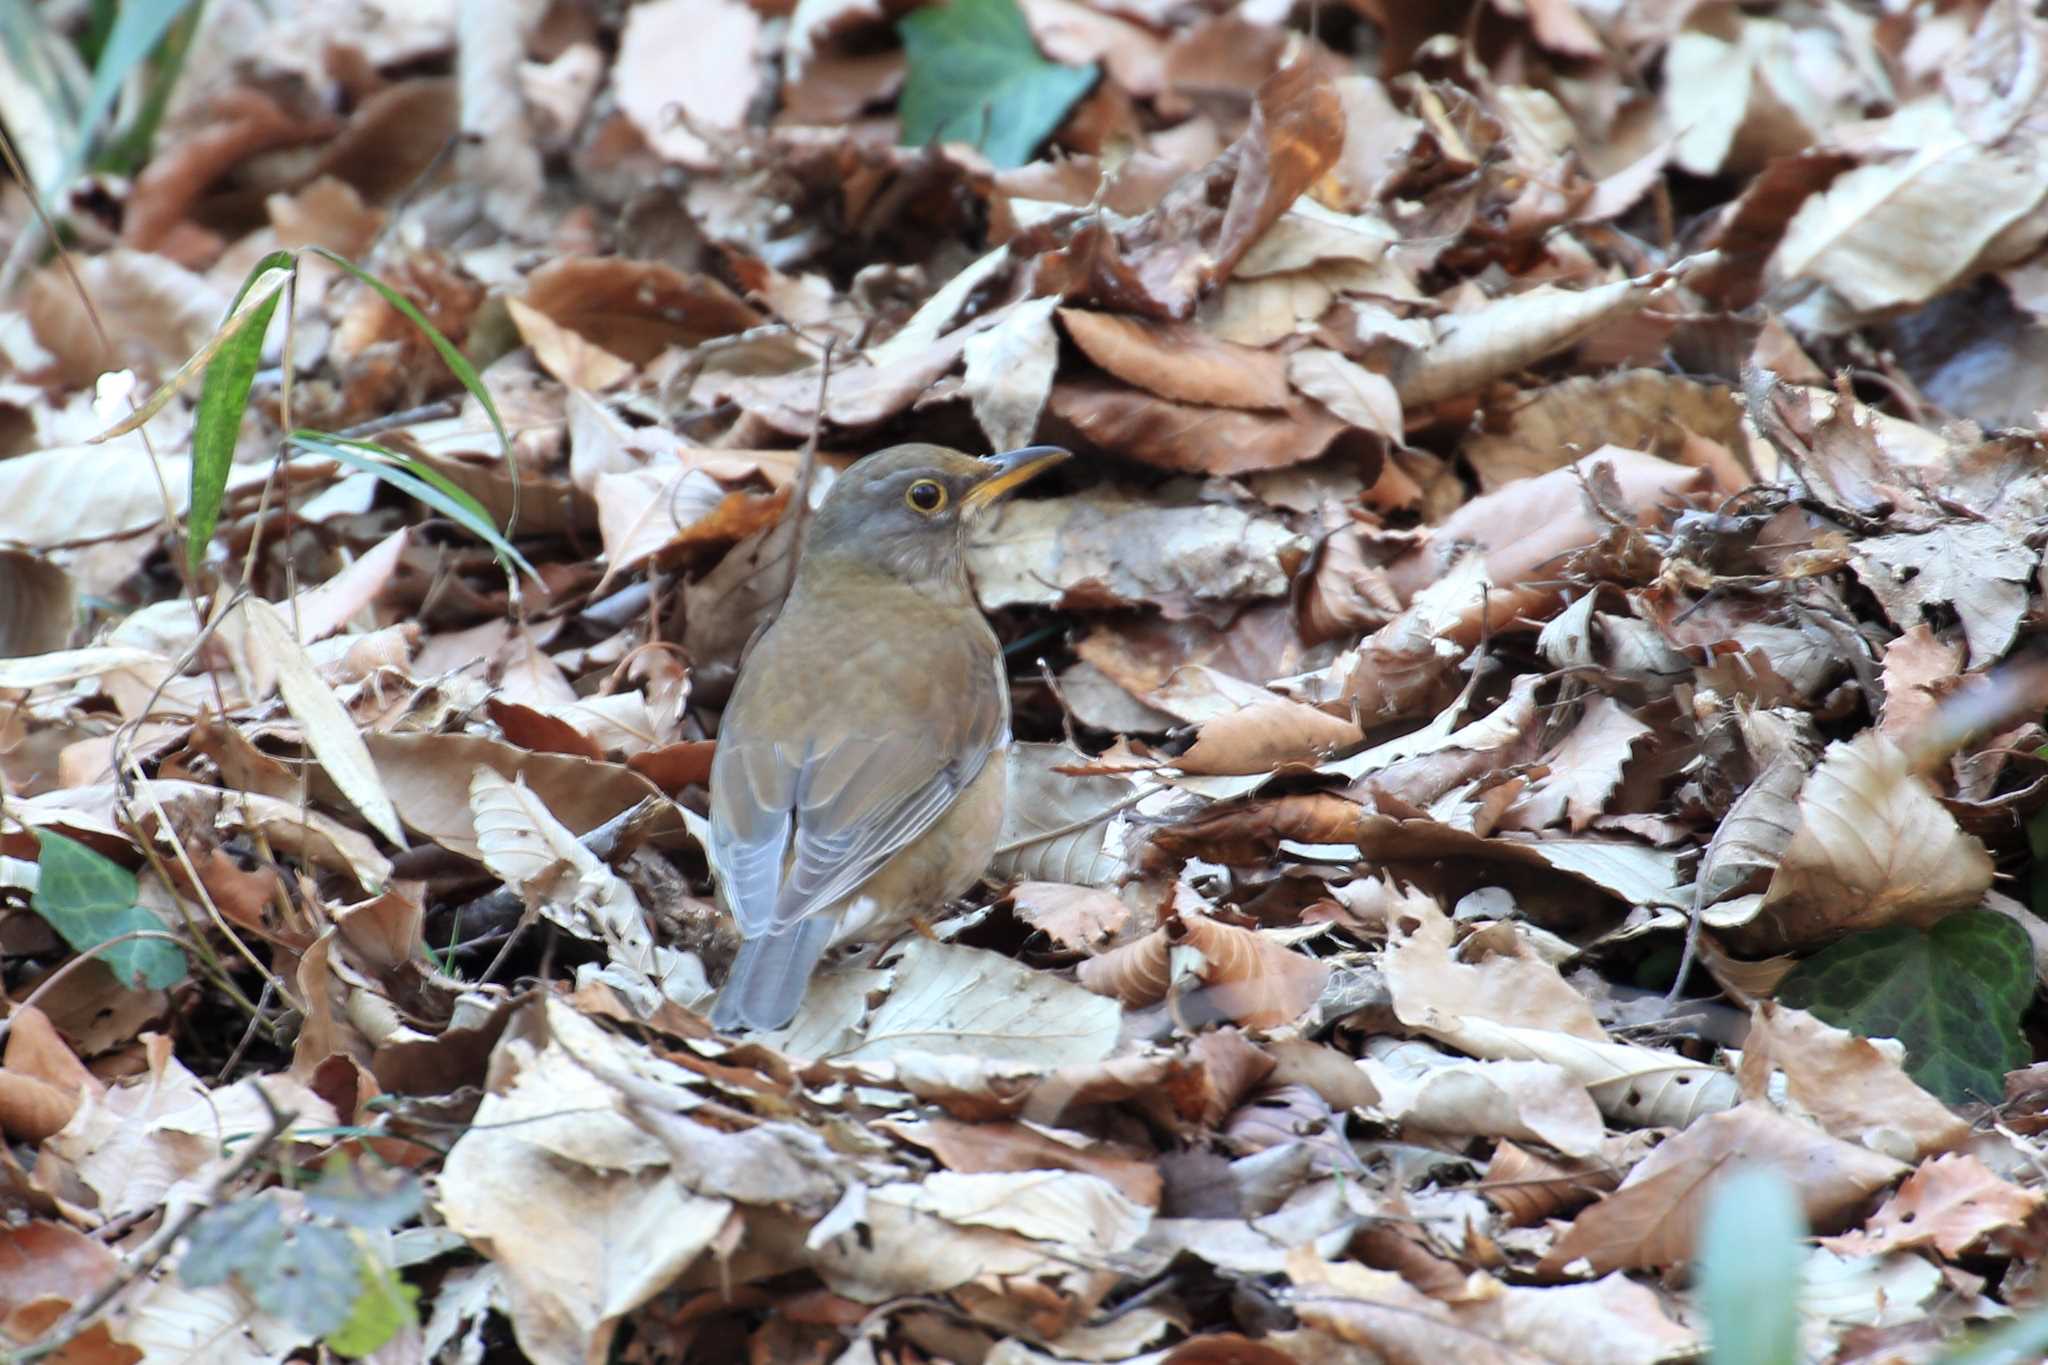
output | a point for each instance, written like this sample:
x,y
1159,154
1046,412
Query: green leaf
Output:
x,y
1750,1253
975,75
450,357
139,25
312,1281
422,481
347,1193
385,1305
223,399
1952,994
225,1239
89,899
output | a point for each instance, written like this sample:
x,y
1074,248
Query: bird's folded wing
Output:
x,y
851,808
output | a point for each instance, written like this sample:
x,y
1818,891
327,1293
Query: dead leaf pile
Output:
x,y
1560,494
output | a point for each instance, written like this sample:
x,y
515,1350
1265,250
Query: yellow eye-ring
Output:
x,y
926,495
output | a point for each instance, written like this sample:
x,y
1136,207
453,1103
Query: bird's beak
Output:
x,y
1012,469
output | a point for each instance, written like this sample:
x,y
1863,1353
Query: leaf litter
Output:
x,y
1558,508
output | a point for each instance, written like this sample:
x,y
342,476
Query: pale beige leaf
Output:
x,y
1852,1088
1524,1101
571,1200
1874,847
1900,231
1585,769
330,731
684,65
1360,397
1009,373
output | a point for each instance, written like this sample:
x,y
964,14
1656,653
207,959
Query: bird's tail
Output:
x,y
768,978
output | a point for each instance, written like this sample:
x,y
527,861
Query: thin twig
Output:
x,y
159,1246
91,955
806,470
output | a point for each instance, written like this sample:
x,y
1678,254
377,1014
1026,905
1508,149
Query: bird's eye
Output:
x,y
926,495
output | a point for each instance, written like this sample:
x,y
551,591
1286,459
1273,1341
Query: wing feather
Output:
x,y
796,828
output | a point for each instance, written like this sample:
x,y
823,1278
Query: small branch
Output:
x,y
806,470
159,1246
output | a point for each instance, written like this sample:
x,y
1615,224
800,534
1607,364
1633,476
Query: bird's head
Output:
x,y
901,511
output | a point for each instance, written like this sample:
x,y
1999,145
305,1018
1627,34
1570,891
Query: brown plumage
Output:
x,y
858,780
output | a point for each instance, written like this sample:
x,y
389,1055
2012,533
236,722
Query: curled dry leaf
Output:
x,y
1874,847
1269,734
1179,360
1188,438
1242,976
1523,1100
1508,334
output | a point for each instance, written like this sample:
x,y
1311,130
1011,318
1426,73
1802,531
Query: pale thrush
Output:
x,y
858,782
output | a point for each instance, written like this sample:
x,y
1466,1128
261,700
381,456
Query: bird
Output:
x,y
858,778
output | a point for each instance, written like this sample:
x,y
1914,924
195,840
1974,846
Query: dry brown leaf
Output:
x,y
1902,230
1642,410
1241,977
1525,1101
1109,547
1850,1087
38,603
1009,373
1185,437
1179,360
1520,989
1362,399
1083,918
1652,1219
1874,847
329,729
1585,770
635,309
1952,1203
567,355
1269,734
1016,1147
427,777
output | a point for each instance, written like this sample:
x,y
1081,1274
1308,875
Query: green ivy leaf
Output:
x,y
385,1305
348,1193
976,76
312,1281
89,899
225,1239
1952,994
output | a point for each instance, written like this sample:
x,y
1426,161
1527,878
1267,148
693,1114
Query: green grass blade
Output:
x,y
453,358
428,485
224,398
1751,1250
139,25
